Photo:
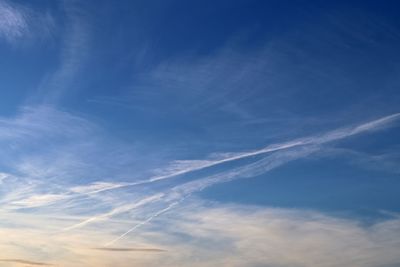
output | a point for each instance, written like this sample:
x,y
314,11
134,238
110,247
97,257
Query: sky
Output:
x,y
237,133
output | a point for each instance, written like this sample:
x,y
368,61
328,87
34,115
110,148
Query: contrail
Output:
x,y
158,213
263,165
327,137
184,191
115,211
202,164
307,141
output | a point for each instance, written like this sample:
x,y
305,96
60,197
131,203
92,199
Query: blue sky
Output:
x,y
208,133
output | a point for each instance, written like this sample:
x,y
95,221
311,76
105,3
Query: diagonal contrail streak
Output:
x,y
264,165
316,140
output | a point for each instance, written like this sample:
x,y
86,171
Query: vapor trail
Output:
x,y
158,213
301,142
263,165
115,211
325,138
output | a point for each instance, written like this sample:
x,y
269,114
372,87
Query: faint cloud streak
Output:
x,y
26,262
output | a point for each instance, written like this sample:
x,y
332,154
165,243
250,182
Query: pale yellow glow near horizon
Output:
x,y
225,235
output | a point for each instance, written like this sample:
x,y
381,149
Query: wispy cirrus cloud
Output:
x,y
117,210
387,161
131,209
282,154
74,36
33,138
45,125
19,22
13,24
182,167
112,202
73,194
37,200
45,150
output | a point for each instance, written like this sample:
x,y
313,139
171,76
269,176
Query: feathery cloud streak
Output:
x,y
19,22
309,145
186,166
13,23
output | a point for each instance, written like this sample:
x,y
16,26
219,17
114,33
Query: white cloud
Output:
x,y
3,176
234,235
38,200
201,233
96,187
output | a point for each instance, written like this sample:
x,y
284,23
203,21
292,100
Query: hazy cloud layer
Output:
x,y
25,262
205,234
131,249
